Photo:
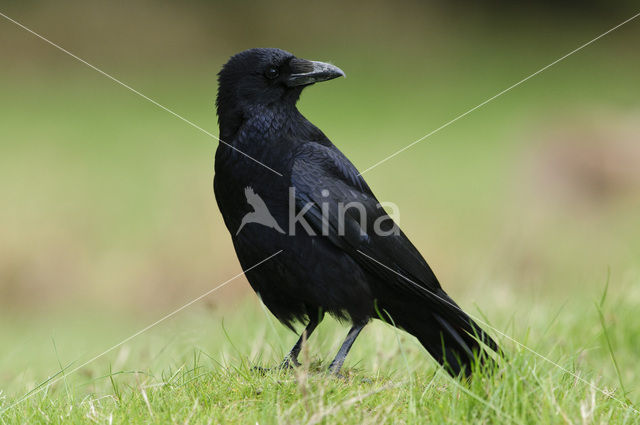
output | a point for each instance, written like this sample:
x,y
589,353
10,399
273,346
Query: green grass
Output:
x,y
197,368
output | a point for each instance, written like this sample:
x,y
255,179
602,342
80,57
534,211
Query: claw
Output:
x,y
287,364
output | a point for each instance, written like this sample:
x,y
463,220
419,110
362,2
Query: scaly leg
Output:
x,y
291,359
336,364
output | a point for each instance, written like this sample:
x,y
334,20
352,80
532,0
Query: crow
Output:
x,y
340,253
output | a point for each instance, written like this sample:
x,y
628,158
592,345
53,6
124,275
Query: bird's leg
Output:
x,y
291,359
336,364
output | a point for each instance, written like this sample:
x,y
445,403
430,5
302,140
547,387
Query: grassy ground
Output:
x,y
198,369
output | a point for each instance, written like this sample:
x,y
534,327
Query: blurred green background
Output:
x,y
108,218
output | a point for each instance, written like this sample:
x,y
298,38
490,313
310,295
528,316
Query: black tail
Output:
x,y
447,333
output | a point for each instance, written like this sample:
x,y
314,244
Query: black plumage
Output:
x,y
343,266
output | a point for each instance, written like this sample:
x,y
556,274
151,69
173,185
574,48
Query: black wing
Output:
x,y
322,174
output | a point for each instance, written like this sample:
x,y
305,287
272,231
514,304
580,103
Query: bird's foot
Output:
x,y
261,370
336,364
346,375
287,364
334,370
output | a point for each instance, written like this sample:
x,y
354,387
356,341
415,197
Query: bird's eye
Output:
x,y
272,73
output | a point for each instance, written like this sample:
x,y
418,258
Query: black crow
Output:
x,y
340,251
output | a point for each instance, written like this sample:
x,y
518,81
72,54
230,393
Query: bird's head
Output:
x,y
266,77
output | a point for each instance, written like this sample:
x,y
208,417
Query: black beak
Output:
x,y
304,72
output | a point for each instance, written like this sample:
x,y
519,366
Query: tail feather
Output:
x,y
448,334
465,346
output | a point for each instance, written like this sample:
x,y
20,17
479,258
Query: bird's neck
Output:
x,y
265,120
